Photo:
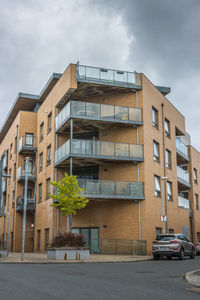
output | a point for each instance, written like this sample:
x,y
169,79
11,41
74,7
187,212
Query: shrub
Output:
x,y
68,239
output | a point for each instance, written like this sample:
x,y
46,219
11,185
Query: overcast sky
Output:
x,y
160,38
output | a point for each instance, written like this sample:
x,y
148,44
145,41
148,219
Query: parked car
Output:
x,y
198,248
172,245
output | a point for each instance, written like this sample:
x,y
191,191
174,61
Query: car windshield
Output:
x,y
165,237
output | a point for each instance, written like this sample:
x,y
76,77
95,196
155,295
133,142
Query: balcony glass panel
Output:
x,y
78,108
107,111
183,174
181,147
92,110
121,113
112,188
183,202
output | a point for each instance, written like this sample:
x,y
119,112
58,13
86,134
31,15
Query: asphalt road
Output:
x,y
161,279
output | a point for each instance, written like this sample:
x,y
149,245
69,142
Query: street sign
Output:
x,y
163,218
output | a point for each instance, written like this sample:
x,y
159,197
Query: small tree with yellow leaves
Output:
x,y
68,196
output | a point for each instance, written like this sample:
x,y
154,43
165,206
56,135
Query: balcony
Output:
x,y
100,115
21,174
4,161
183,202
20,204
88,151
107,189
106,76
182,150
183,177
4,185
27,145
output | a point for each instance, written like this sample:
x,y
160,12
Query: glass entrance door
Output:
x,y
91,237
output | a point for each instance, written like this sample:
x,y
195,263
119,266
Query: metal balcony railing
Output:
x,y
21,173
112,189
106,76
183,202
183,176
30,203
99,150
182,149
96,111
27,144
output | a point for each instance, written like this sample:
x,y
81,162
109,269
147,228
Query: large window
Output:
x,y
49,154
169,190
167,128
168,159
29,139
40,193
196,202
49,122
195,175
42,131
41,161
155,151
154,117
156,186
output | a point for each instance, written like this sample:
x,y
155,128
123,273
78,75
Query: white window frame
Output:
x,y
167,128
156,151
157,189
169,190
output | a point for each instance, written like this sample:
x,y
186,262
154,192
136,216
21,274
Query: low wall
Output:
x,y
68,254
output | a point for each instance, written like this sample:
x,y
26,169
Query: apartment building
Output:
x,y
127,145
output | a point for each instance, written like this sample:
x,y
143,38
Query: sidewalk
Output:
x,y
40,258
193,278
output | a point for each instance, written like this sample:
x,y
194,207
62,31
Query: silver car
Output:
x,y
172,245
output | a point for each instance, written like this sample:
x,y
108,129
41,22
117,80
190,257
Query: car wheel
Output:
x,y
192,255
156,256
181,254
169,257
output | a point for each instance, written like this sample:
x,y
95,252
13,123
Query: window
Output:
x,y
41,161
15,144
47,188
13,200
169,191
49,154
29,139
46,238
195,175
156,186
155,151
14,172
196,202
40,193
41,131
11,150
167,128
168,159
38,239
171,231
158,231
49,122
154,117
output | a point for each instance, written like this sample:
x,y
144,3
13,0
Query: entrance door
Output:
x,y
91,237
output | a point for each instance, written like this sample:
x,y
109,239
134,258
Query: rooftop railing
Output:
x,y
112,189
96,111
183,202
183,175
106,75
99,149
182,148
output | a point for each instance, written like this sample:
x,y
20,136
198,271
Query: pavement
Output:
x,y
41,258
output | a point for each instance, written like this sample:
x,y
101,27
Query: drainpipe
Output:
x,y
56,179
71,165
164,164
138,168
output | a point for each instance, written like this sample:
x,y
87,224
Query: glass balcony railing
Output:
x,y
182,148
21,173
98,111
4,185
30,203
183,175
99,149
27,143
112,189
183,202
106,75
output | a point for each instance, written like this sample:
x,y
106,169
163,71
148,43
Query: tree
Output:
x,y
68,196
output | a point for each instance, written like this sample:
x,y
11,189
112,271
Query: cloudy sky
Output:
x,y
160,38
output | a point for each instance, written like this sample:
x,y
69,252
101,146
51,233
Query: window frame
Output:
x,y
40,192
195,175
41,131
49,122
49,154
154,120
157,192
156,146
169,196
167,128
168,157
40,161
48,186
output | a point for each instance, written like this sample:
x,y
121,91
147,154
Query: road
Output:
x,y
161,279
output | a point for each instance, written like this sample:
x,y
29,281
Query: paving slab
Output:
x,y
41,258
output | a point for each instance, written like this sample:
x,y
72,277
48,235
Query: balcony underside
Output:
x,y
22,178
182,184
27,150
113,197
90,88
88,160
87,124
29,208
